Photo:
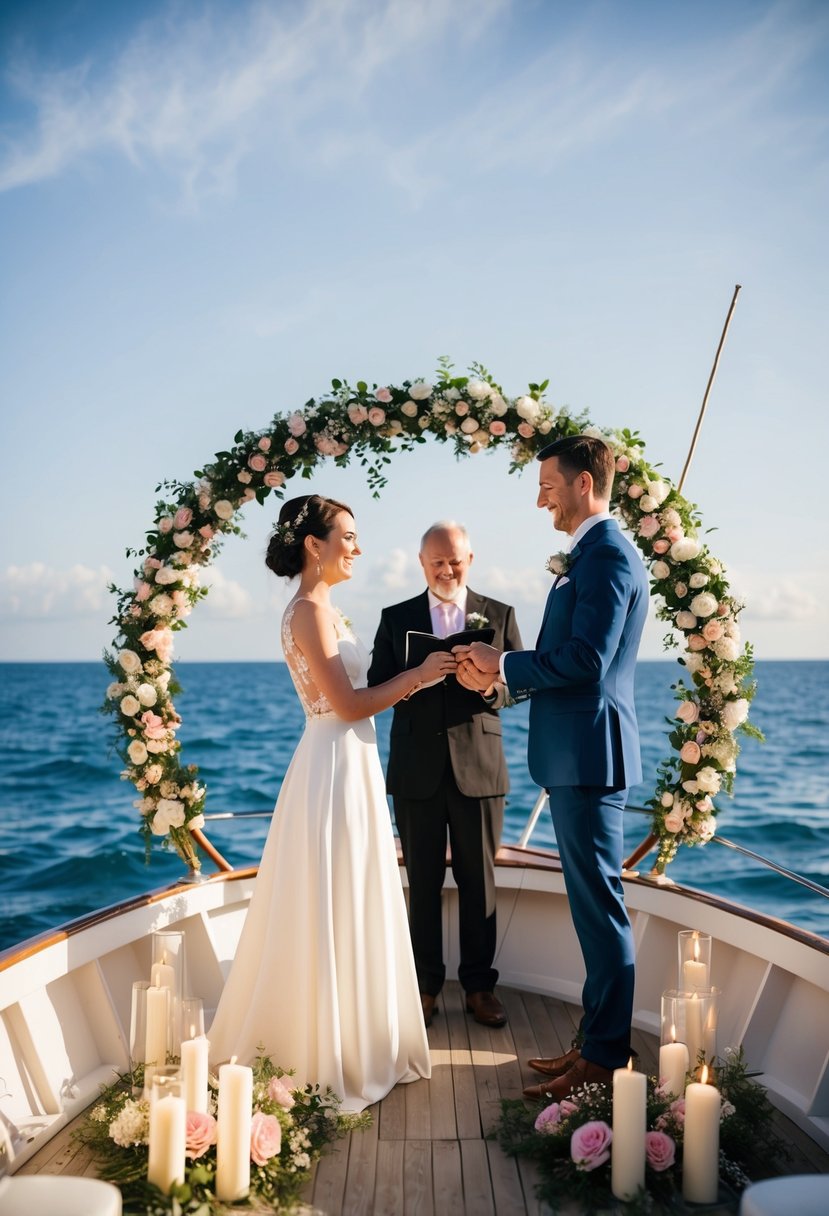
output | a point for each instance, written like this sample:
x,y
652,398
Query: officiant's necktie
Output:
x,y
447,611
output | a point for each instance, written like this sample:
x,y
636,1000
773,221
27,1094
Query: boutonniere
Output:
x,y
476,620
559,563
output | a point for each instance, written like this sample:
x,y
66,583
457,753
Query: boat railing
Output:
x,y
524,840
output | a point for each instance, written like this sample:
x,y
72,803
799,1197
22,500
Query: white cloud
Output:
x,y
525,586
227,600
786,600
396,572
41,592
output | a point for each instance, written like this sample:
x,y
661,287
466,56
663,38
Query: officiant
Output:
x,y
447,774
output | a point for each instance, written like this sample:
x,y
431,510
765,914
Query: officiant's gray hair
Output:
x,y
445,525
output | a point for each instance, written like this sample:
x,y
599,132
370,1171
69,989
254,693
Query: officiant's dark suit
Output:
x,y
447,776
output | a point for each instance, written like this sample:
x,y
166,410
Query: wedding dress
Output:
x,y
324,977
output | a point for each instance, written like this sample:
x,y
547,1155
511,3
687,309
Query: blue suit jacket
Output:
x,y
583,728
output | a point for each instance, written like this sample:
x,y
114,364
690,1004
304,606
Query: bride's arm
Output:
x,y
315,635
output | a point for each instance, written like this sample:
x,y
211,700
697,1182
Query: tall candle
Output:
x,y
158,1015
168,1121
194,1053
233,1132
693,1028
673,1065
163,975
701,1149
627,1153
694,976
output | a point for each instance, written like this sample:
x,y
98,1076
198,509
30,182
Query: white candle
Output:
x,y
158,1014
194,1053
701,1150
673,1065
162,975
233,1132
168,1138
627,1153
694,976
693,1028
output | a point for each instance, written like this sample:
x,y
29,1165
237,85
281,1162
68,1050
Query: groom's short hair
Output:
x,y
584,454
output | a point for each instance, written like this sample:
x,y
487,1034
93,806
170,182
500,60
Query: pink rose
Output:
x,y
382,394
690,752
274,479
165,525
265,1137
525,430
200,1131
568,1107
291,446
697,642
152,563
142,591
688,712
648,526
674,534
673,821
622,464
296,425
590,1145
357,413
713,630
497,427
278,1092
548,1120
257,462
182,517
264,444
248,495
636,491
678,1110
660,1151
661,546
461,409
154,727
207,532
376,416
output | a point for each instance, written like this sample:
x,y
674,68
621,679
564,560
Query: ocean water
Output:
x,y
69,840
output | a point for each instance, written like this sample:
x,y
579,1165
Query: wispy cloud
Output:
x,y
785,600
41,592
227,600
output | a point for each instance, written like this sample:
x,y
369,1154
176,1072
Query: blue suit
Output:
x,y
584,749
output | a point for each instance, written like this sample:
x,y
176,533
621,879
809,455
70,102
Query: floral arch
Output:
x,y
371,423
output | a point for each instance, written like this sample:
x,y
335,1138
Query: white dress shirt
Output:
x,y
442,626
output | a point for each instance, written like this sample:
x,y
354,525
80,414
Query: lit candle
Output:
x,y
194,1053
673,1065
694,972
162,975
627,1154
158,1013
701,1150
168,1122
233,1132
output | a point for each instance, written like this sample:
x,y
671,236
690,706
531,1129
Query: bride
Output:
x,y
323,979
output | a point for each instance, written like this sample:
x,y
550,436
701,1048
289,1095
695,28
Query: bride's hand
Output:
x,y
436,666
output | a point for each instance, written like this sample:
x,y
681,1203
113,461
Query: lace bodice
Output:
x,y
352,652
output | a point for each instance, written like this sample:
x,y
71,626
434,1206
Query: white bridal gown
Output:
x,y
324,977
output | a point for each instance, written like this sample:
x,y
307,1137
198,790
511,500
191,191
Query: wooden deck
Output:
x,y
427,1151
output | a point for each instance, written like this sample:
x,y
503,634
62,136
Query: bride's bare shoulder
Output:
x,y
308,617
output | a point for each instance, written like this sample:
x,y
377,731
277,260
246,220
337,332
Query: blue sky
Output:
x,y
207,211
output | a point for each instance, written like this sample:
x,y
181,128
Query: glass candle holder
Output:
x,y
192,1017
168,1122
138,1022
168,972
694,962
689,1018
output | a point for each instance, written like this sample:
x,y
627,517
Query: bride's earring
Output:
x,y
319,567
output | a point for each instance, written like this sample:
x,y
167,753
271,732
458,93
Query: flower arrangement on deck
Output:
x,y
571,1142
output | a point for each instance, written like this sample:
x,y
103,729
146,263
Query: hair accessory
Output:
x,y
286,532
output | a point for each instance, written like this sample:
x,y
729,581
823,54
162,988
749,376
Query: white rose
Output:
x,y
667,798
594,432
693,661
685,620
165,576
691,786
451,394
658,490
698,580
733,630
157,746
726,683
647,504
146,694
734,713
545,427
469,426
420,390
680,590
164,679
137,752
162,605
660,569
527,407
409,408
670,518
707,828
223,509
686,549
130,706
727,649
478,389
114,691
498,405
704,604
708,780
130,661
423,422
183,540
196,822
673,822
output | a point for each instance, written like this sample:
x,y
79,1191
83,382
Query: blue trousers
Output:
x,y
588,827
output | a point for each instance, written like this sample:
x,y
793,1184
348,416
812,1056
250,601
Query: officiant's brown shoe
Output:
x,y
557,1065
583,1072
486,1008
427,1004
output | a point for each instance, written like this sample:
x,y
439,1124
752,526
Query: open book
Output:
x,y
419,645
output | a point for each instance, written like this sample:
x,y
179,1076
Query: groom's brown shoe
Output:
x,y
427,1004
583,1072
486,1008
557,1065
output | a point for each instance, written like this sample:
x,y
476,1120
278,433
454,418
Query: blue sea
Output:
x,y
69,840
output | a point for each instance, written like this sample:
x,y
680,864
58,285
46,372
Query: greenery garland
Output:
x,y
371,423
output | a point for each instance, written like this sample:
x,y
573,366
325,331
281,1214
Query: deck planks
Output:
x,y
427,1151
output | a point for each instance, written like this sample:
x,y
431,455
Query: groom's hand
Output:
x,y
470,677
486,658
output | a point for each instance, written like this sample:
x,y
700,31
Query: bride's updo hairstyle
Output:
x,y
308,515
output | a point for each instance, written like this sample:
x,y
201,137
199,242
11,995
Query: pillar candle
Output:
x,y
701,1149
162,975
694,976
233,1132
673,1065
627,1153
693,1028
158,1014
168,1120
194,1052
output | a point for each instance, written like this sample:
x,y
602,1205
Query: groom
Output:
x,y
583,738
